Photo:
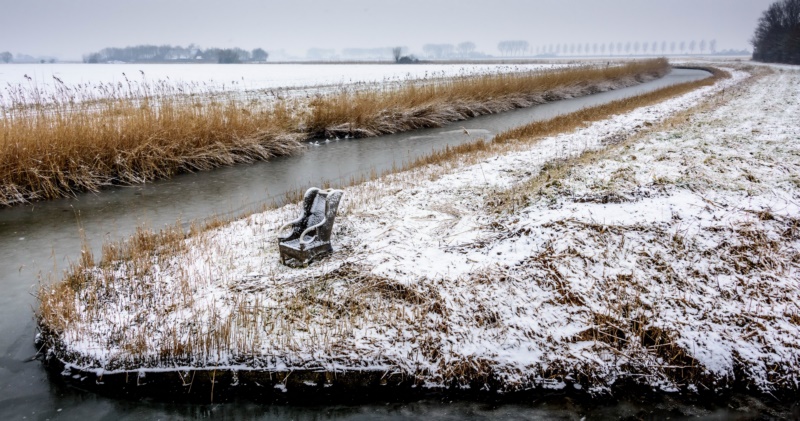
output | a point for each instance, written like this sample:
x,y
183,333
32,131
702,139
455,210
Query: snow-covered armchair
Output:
x,y
311,232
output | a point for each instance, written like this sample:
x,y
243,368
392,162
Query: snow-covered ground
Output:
x,y
673,260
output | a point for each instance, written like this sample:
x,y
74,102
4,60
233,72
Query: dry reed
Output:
x,y
82,138
514,198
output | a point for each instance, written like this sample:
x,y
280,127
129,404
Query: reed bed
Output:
x,y
82,138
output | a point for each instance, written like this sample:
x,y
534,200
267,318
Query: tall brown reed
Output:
x,y
85,137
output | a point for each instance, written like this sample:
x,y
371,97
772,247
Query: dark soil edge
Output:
x,y
304,387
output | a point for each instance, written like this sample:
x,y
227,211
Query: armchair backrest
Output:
x,y
298,226
328,204
318,205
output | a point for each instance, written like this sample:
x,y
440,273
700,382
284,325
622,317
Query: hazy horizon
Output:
x,y
69,30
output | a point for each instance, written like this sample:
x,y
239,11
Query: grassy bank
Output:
x,y
62,143
133,310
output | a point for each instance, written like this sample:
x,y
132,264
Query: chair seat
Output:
x,y
308,252
295,244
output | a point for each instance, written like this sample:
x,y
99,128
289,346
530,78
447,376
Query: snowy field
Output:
x,y
243,76
674,260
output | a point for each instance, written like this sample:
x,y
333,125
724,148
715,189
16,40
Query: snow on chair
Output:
x,y
311,232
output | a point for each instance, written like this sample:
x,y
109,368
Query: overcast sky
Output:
x,y
68,29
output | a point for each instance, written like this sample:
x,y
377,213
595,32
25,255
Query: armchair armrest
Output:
x,y
289,224
311,228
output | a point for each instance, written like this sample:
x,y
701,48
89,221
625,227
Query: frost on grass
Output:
x,y
671,260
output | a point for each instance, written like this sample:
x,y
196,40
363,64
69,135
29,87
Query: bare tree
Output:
x,y
644,47
93,58
437,50
432,50
6,57
512,47
259,54
465,49
712,45
663,47
397,52
777,35
702,46
683,47
448,50
523,46
692,45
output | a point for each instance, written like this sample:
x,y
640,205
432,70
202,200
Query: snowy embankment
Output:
x,y
672,260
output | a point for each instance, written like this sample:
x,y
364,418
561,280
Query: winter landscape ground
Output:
x,y
659,247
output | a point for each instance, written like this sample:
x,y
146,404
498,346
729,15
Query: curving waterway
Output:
x,y
43,238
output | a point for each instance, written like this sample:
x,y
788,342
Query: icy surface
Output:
x,y
675,253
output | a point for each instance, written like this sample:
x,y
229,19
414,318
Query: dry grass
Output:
x,y
312,313
85,137
372,113
617,323
74,141
518,138
519,196
145,245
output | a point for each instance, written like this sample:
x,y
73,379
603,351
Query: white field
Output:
x,y
701,244
242,76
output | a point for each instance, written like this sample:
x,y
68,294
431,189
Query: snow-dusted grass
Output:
x,y
670,259
682,248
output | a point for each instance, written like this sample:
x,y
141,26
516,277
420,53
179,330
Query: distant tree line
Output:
x,y
513,48
320,53
367,53
465,49
169,53
7,57
777,36
517,48
630,47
